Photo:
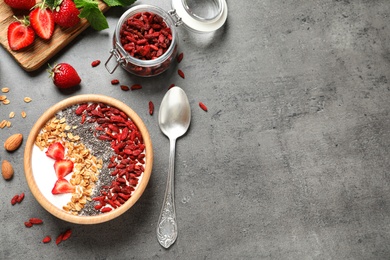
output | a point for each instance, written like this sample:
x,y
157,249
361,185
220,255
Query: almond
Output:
x,y
7,170
13,142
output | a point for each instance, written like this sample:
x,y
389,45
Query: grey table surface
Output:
x,y
291,161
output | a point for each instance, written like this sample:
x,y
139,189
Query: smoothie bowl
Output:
x,y
88,159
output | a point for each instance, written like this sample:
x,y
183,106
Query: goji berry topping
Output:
x,y
98,156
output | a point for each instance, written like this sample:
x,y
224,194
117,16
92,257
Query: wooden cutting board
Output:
x,y
40,51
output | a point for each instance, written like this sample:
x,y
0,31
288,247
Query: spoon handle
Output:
x,y
167,226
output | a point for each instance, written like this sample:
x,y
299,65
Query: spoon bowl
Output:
x,y
174,119
175,115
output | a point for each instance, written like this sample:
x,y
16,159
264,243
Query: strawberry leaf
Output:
x,y
119,2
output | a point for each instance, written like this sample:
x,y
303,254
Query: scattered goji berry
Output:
x,y
66,234
125,88
181,73
46,239
114,82
20,198
59,238
95,63
136,86
14,199
151,108
203,106
180,57
36,221
171,86
28,224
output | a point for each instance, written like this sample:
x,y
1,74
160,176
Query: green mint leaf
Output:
x,y
119,2
89,9
95,17
85,3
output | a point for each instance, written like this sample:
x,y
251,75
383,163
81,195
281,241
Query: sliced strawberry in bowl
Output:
x,y
42,21
63,168
56,151
62,186
20,34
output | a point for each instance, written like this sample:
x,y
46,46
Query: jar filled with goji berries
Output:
x,y
145,40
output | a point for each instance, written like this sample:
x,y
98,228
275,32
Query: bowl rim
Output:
x,y
50,113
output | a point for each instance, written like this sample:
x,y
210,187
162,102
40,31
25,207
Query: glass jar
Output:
x,y
197,15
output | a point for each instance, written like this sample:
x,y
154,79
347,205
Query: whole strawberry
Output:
x,y
64,76
20,4
20,34
66,14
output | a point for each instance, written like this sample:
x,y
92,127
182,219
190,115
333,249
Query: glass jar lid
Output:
x,y
201,15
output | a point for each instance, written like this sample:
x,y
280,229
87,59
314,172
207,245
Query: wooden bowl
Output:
x,y
37,189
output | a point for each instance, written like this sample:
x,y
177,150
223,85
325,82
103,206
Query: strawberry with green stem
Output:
x,y
66,14
64,76
42,20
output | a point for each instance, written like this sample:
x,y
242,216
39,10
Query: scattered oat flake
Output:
x,y
3,123
12,115
27,99
23,113
9,124
5,90
3,97
6,101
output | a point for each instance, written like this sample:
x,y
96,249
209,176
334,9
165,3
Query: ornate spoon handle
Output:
x,y
167,226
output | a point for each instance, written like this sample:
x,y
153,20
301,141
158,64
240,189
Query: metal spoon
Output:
x,y
174,119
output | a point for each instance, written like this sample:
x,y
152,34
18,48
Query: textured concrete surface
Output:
x,y
290,162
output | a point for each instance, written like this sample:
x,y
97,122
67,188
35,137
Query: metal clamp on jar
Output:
x,y
145,39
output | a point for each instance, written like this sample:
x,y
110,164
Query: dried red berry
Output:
x,y
20,198
125,88
136,86
59,238
171,86
114,82
14,199
95,63
180,57
151,108
106,209
202,106
181,73
28,224
36,221
66,234
46,239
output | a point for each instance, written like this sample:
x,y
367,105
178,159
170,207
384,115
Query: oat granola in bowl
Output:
x,y
88,159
